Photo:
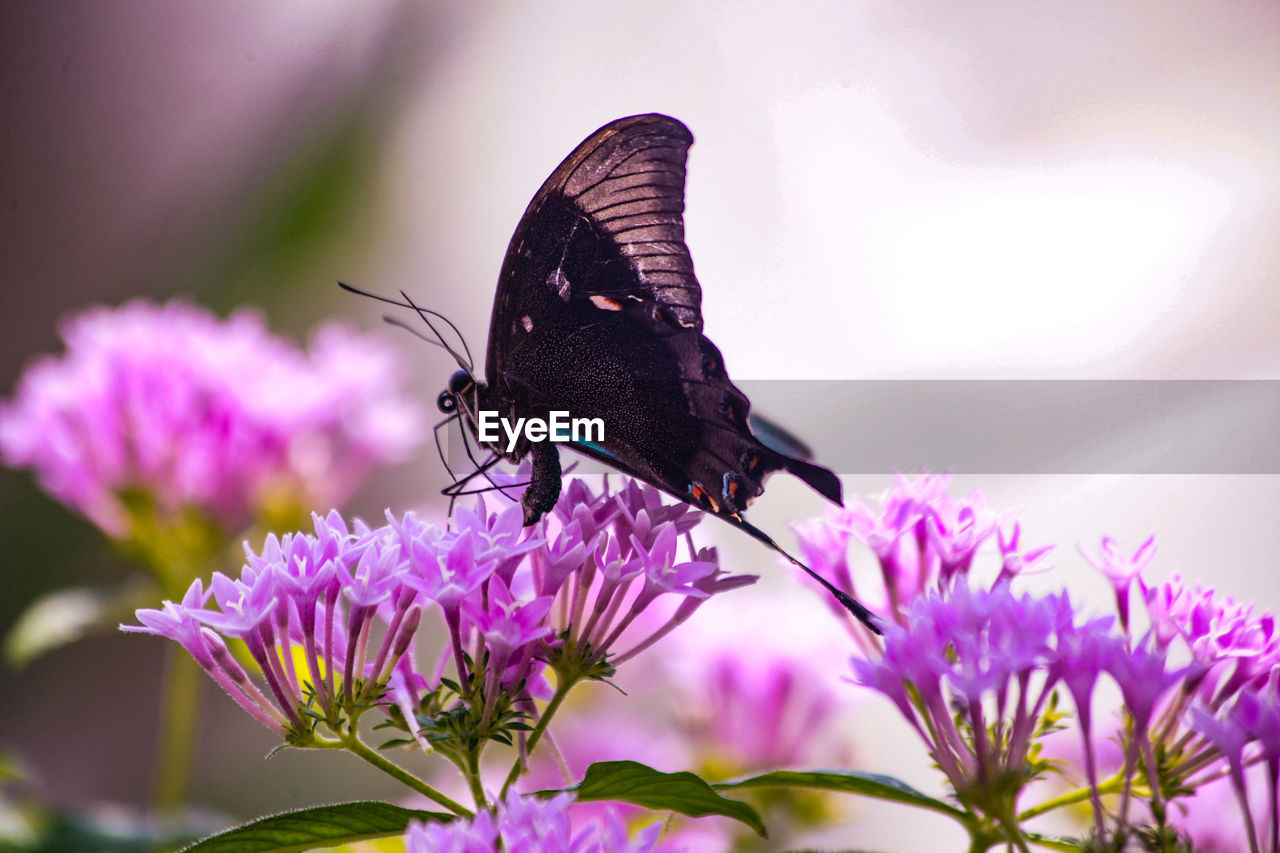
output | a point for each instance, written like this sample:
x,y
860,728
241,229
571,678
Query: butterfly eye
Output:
x,y
459,382
446,402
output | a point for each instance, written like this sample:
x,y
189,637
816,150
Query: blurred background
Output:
x,y
926,190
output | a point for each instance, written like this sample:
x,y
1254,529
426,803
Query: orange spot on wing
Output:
x,y
703,497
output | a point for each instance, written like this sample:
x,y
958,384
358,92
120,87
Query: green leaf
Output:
x,y
686,793
1055,842
849,782
396,742
66,615
320,826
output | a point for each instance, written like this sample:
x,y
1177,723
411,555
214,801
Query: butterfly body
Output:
x,y
598,313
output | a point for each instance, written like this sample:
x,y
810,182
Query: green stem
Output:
x,y
980,841
536,735
358,747
183,679
473,778
1013,828
1113,785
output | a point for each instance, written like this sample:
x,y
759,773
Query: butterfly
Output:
x,y
598,314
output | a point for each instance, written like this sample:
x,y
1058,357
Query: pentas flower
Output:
x,y
1227,759
1226,717
530,824
188,412
1212,717
1014,561
1232,645
974,671
514,600
633,553
564,595
922,537
1121,570
975,650
754,686
315,593
1228,740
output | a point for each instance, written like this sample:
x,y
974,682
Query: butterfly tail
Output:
x,y
847,601
820,479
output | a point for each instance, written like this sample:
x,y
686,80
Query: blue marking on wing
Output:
x,y
591,445
775,437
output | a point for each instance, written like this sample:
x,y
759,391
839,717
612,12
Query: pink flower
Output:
x,y
194,412
530,824
1121,570
971,662
325,592
923,538
754,685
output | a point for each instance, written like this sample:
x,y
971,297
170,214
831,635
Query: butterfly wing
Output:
x,y
598,313
621,189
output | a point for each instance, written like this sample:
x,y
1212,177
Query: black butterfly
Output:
x,y
597,313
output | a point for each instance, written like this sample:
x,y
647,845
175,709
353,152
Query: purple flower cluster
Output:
x,y
923,538
1226,717
303,608
531,825
628,547
975,669
194,412
753,700
976,650
512,600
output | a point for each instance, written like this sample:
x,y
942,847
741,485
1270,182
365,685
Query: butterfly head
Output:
x,y
461,393
464,397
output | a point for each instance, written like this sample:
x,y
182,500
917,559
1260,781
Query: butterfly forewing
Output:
x,y
598,313
607,223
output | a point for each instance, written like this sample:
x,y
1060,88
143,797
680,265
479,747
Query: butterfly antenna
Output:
x,y
401,324
467,365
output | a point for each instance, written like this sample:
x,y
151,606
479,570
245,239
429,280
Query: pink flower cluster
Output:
x,y
998,657
922,537
512,600
200,413
531,825
1232,691
973,668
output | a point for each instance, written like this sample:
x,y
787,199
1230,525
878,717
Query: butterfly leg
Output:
x,y
544,482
